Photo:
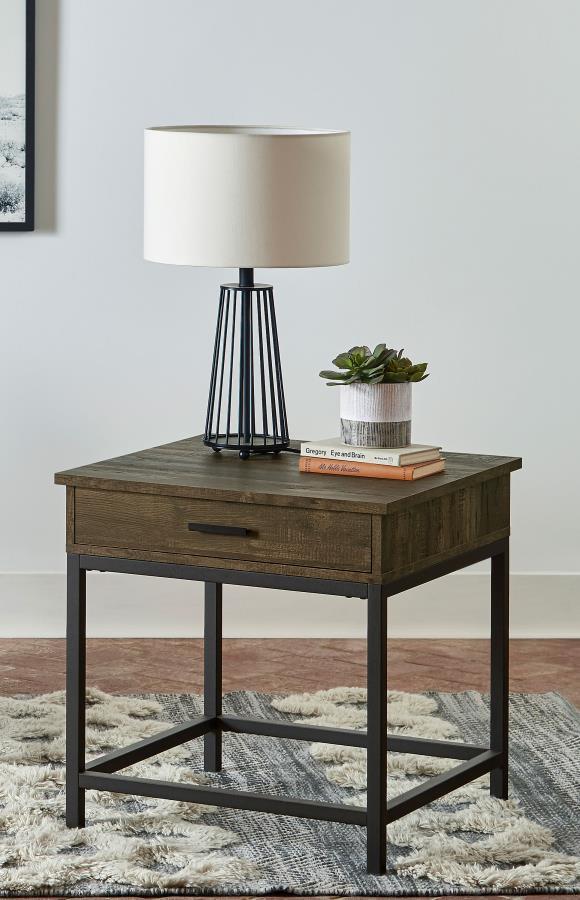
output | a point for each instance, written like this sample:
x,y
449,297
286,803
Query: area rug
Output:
x,y
464,843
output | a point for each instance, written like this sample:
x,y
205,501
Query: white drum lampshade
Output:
x,y
246,197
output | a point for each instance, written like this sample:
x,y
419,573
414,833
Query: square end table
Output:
x,y
181,511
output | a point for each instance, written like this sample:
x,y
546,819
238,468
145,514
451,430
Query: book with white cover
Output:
x,y
333,448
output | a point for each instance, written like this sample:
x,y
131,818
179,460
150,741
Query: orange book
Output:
x,y
369,470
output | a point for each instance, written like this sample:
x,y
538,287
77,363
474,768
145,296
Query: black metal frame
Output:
x,y
261,425
29,139
101,773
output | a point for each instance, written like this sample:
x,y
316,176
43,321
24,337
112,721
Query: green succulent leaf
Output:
x,y
382,358
395,377
348,380
379,366
343,361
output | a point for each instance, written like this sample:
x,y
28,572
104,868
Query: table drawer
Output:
x,y
211,528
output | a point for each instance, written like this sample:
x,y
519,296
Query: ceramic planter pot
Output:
x,y
376,415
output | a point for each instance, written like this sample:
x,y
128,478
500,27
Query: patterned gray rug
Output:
x,y
465,843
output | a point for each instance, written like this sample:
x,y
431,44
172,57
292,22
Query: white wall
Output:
x,y
465,224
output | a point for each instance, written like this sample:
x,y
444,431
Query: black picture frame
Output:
x,y
29,136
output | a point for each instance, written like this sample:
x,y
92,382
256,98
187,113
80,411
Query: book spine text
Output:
x,y
356,454
362,470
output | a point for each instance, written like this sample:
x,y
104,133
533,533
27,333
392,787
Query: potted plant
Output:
x,y
375,395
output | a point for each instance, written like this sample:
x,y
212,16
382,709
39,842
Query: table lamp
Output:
x,y
246,197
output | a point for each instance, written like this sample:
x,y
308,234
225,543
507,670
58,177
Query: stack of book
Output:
x,y
332,457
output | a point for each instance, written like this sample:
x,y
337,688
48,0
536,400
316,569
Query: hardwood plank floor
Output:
x,y
284,665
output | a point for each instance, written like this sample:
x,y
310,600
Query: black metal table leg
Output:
x,y
101,774
376,731
75,691
212,674
499,689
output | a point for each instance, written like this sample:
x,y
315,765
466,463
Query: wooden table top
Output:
x,y
186,468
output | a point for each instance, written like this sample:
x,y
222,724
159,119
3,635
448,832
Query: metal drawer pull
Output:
x,y
217,529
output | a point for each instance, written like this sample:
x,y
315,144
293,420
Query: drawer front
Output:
x,y
268,534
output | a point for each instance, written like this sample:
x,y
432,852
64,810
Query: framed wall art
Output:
x,y
17,30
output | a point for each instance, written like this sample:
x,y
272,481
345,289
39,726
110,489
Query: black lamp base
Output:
x,y
246,410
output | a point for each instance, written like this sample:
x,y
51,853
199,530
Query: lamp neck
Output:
x,y
246,278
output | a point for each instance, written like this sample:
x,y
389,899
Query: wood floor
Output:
x,y
278,665
172,665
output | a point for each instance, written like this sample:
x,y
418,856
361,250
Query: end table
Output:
x,y
180,511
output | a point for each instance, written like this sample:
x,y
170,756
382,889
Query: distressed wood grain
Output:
x,y
188,469
366,530
445,526
311,538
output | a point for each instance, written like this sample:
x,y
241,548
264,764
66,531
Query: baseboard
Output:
x,y
33,605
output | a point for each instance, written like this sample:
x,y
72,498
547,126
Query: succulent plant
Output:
x,y
378,366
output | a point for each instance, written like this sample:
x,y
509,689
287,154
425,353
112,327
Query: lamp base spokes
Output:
x,y
246,409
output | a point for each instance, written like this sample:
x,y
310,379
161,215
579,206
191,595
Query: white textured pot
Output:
x,y
376,415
